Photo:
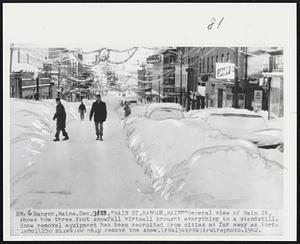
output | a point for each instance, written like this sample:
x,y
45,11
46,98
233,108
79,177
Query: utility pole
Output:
x,y
58,80
246,73
180,98
188,84
236,101
11,56
50,87
19,55
159,89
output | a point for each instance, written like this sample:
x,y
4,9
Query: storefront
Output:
x,y
256,93
275,102
26,85
219,93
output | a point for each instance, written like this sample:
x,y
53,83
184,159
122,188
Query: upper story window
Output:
x,y
172,59
277,62
227,57
207,64
222,58
200,62
217,59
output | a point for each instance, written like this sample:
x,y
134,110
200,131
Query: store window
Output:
x,y
172,59
276,97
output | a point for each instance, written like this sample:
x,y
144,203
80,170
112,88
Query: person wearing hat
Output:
x,y
99,112
60,117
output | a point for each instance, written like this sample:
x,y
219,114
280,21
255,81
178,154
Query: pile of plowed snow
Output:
x,y
227,176
188,159
32,126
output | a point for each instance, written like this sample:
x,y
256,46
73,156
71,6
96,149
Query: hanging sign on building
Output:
x,y
153,59
225,71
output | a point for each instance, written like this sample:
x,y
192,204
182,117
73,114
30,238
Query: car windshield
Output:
x,y
237,123
166,114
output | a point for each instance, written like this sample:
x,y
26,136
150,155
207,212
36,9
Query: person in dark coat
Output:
x,y
127,109
100,113
81,110
60,117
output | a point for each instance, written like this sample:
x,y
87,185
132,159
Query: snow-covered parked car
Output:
x,y
241,123
161,111
226,177
154,111
161,145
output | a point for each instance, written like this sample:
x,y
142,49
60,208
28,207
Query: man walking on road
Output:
x,y
81,110
60,117
100,113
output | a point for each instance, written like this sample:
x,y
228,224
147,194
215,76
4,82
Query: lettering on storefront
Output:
x,y
225,71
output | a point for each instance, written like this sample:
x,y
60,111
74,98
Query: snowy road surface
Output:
x,y
83,172
86,173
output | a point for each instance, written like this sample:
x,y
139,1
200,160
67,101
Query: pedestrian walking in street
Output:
x,y
100,113
127,110
60,117
82,110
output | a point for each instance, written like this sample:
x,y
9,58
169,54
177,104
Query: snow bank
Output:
x,y
227,176
276,123
154,106
137,112
222,170
203,113
32,127
247,124
158,145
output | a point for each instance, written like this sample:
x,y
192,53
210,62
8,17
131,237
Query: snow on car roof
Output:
x,y
204,113
153,106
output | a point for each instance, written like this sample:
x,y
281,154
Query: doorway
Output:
x,y
220,98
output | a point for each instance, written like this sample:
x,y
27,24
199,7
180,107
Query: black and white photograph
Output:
x,y
152,130
194,128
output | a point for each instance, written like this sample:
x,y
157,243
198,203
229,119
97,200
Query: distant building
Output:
x,y
142,84
275,83
155,71
168,82
28,77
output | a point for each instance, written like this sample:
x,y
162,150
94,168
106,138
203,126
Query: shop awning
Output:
x,y
222,82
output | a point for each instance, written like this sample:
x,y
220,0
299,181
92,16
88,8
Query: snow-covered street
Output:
x,y
143,165
81,172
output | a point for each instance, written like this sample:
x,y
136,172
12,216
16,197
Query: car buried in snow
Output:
x,y
161,111
154,111
172,150
241,123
